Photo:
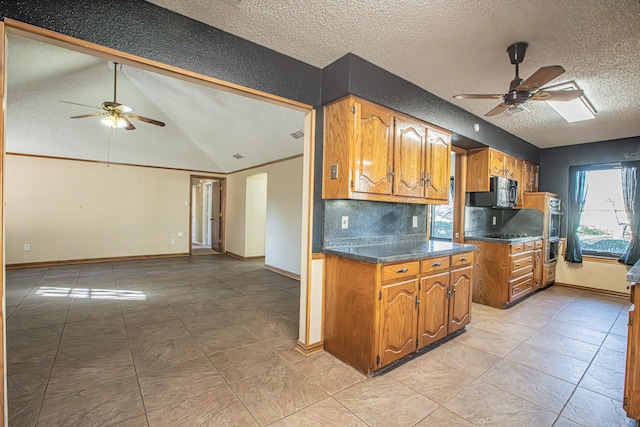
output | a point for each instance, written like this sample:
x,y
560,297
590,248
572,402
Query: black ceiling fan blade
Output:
x,y
83,105
556,95
540,78
478,96
82,116
146,120
499,109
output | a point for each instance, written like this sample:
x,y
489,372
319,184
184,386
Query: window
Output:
x,y
604,228
442,218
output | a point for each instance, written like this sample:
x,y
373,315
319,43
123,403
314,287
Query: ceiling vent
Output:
x,y
238,156
297,134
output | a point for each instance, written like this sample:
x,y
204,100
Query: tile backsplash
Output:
x,y
529,221
372,222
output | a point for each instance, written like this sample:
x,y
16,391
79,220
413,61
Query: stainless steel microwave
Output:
x,y
503,193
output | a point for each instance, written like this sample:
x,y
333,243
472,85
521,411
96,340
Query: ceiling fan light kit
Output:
x,y
521,92
117,115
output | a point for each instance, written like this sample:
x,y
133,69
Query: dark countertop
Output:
x,y
401,251
510,241
634,274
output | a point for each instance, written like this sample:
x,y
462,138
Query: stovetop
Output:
x,y
505,235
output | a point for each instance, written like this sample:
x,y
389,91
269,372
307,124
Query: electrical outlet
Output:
x,y
27,247
494,220
415,221
173,241
345,222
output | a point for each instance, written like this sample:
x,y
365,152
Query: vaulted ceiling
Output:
x,y
205,127
449,47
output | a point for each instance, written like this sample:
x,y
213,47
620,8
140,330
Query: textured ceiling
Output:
x,y
205,127
457,46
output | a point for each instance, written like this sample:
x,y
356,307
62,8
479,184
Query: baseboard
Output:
x,y
309,350
91,260
595,290
242,258
282,272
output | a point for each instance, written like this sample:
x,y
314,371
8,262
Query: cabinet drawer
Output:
x,y
549,274
521,264
529,246
520,287
435,264
517,248
395,271
458,260
538,244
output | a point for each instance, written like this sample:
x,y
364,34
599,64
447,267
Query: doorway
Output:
x,y
206,218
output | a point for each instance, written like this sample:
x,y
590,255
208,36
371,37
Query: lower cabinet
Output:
x,y
631,400
376,314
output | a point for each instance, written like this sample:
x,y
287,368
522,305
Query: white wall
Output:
x,y
256,215
69,210
284,214
597,275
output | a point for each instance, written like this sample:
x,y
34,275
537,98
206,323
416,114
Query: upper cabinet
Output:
x,y
374,153
487,162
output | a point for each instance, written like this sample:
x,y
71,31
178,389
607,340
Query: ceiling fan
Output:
x,y
521,91
117,115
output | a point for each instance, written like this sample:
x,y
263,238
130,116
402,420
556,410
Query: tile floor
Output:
x,y
209,340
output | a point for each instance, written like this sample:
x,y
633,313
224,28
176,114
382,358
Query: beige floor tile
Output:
x,y
576,332
326,413
565,422
87,311
33,337
490,342
592,409
383,401
167,353
489,406
139,421
442,417
551,363
156,332
615,342
563,345
25,392
467,360
208,324
331,374
200,308
163,387
544,390
431,378
225,339
137,319
245,362
277,393
273,327
72,374
46,319
93,344
611,359
514,331
31,358
94,326
98,406
604,381
25,414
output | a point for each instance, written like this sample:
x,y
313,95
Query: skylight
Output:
x,y
576,110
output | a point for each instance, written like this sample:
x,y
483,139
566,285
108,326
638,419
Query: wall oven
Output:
x,y
553,230
552,250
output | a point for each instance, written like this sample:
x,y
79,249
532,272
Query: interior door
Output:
x,y
216,215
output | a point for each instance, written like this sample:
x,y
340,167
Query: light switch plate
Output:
x,y
415,221
334,171
345,222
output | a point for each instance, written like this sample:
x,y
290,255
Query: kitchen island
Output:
x,y
388,302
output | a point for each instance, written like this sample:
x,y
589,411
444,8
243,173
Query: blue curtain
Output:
x,y
578,185
632,207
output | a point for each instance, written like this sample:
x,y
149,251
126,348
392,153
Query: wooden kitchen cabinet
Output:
x,y
631,400
487,162
374,153
504,273
538,265
376,314
398,320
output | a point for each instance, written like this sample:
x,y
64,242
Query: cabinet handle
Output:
x,y
402,270
516,289
424,179
453,289
390,172
428,177
448,292
463,259
417,301
438,264
529,261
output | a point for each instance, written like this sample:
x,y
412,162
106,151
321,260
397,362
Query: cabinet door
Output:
x,y
537,269
438,165
433,309
522,184
409,158
496,163
398,321
460,300
372,149
510,166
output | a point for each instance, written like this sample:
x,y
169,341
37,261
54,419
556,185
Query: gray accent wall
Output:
x,y
555,163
